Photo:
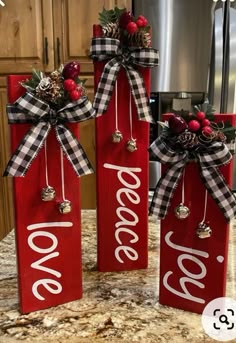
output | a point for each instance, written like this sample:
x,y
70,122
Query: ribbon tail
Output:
x,y
165,189
139,92
27,150
106,85
73,151
217,187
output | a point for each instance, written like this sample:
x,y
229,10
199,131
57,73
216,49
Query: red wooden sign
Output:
x,y
48,242
122,183
188,264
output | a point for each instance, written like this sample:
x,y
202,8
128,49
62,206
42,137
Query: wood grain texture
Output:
x,y
188,264
48,242
6,201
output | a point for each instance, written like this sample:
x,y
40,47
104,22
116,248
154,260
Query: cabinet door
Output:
x,y
26,33
78,19
6,201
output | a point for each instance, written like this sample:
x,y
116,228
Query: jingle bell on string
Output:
x,y
131,145
203,230
65,207
117,136
48,193
182,211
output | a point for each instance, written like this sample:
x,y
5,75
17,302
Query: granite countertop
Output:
x,y
115,306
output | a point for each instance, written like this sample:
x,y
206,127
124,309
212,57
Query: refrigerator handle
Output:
x,y
231,106
216,64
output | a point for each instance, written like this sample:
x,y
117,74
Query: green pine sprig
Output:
x,y
31,84
229,131
110,16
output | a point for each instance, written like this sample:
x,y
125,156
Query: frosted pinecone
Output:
x,y
48,89
111,30
56,76
140,39
187,139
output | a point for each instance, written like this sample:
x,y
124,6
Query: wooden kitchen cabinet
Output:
x,y
43,34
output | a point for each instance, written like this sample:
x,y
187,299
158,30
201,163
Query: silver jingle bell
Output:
x,y
182,211
48,193
131,145
203,230
65,207
117,136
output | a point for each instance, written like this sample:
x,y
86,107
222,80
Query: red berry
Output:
x,y
131,27
200,115
207,130
71,70
69,85
125,18
194,125
205,122
140,22
144,20
75,95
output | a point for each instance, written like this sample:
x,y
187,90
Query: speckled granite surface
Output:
x,y
116,307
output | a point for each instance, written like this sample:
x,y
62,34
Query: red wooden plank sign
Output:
x,y
48,242
122,181
193,270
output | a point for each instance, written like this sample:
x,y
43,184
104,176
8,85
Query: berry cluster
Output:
x,y
58,87
196,129
70,74
122,25
200,123
128,22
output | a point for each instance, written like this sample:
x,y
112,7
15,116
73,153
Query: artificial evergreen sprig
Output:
x,y
121,24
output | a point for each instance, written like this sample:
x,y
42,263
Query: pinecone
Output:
x,y
220,136
111,30
56,76
187,139
48,89
140,39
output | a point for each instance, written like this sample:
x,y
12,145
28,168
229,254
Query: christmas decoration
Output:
x,y
50,101
65,207
69,85
122,61
205,144
177,124
125,45
117,136
71,70
39,225
182,211
203,230
131,145
48,193
122,25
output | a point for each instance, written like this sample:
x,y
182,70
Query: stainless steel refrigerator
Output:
x,y
196,40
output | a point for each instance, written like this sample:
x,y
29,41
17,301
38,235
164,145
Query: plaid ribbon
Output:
x,y
109,48
209,160
29,109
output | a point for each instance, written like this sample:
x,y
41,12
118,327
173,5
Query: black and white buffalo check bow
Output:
x,y
109,48
29,109
209,159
